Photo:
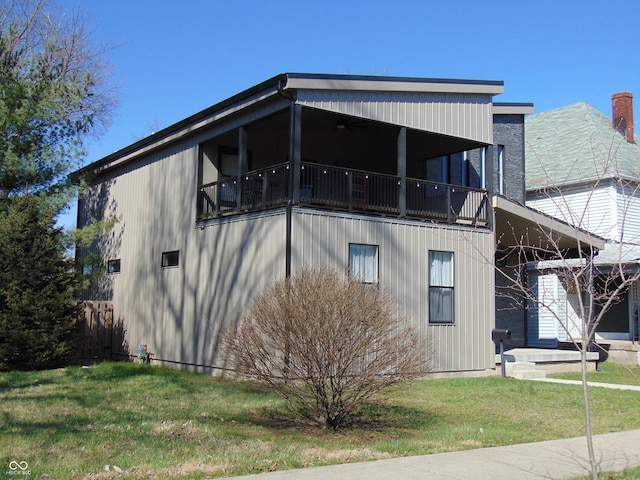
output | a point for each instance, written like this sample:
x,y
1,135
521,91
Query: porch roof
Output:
x,y
518,225
455,108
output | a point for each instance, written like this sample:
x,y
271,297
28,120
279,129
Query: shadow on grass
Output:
x,y
20,380
375,417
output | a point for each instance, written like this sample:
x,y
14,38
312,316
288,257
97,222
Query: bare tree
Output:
x,y
326,343
596,280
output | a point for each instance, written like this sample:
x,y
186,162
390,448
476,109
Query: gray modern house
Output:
x,y
406,182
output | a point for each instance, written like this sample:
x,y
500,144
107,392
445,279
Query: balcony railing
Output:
x,y
344,189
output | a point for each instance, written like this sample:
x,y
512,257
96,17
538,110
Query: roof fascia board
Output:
x,y
179,130
500,108
391,84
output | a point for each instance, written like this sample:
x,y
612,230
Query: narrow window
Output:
x,y
170,259
113,266
363,262
464,170
441,287
501,181
483,168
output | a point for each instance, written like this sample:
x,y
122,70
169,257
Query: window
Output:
x,y
464,170
170,259
441,287
113,266
363,262
483,167
501,180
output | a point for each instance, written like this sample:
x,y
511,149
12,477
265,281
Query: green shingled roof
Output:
x,y
576,144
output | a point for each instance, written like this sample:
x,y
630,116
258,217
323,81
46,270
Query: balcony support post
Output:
x,y
402,171
243,164
295,147
489,183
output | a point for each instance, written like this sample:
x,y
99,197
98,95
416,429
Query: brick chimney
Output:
x,y
623,114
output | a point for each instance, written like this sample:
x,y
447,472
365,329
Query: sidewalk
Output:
x,y
554,459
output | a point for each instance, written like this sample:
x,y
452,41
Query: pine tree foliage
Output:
x,y
38,290
54,95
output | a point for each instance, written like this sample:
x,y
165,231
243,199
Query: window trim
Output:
x,y
441,288
166,256
377,263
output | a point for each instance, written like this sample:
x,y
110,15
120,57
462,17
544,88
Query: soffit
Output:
x,y
517,225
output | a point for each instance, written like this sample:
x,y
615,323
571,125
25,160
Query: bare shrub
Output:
x,y
326,343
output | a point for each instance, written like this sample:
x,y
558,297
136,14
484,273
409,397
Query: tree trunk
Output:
x,y
593,464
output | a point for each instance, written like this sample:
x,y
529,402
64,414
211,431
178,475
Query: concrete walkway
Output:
x,y
554,459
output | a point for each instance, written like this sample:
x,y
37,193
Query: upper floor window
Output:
x,y
441,287
363,262
501,175
483,168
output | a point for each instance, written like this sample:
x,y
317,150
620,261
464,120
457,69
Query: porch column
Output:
x,y
295,147
402,171
489,183
243,164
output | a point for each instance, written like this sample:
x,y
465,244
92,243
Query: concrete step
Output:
x,y
511,367
529,374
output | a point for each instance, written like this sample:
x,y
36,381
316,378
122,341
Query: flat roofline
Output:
x,y
309,81
512,108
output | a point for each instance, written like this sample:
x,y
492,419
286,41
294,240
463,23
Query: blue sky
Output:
x,y
174,58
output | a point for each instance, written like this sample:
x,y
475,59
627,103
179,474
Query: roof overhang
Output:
x,y
362,83
503,108
517,225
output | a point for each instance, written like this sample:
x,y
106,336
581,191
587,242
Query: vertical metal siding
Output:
x,y
459,115
323,237
179,311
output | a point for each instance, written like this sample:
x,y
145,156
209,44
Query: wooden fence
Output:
x,y
104,338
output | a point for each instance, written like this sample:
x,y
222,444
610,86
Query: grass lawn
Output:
x,y
164,424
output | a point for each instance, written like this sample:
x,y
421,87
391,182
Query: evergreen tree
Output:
x,y
38,290
53,94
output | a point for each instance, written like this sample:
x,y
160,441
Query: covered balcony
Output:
x,y
426,164
347,190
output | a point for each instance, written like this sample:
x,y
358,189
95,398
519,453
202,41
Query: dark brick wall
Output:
x,y
508,130
510,311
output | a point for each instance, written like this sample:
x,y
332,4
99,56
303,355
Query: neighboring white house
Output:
x,y
583,168
382,176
